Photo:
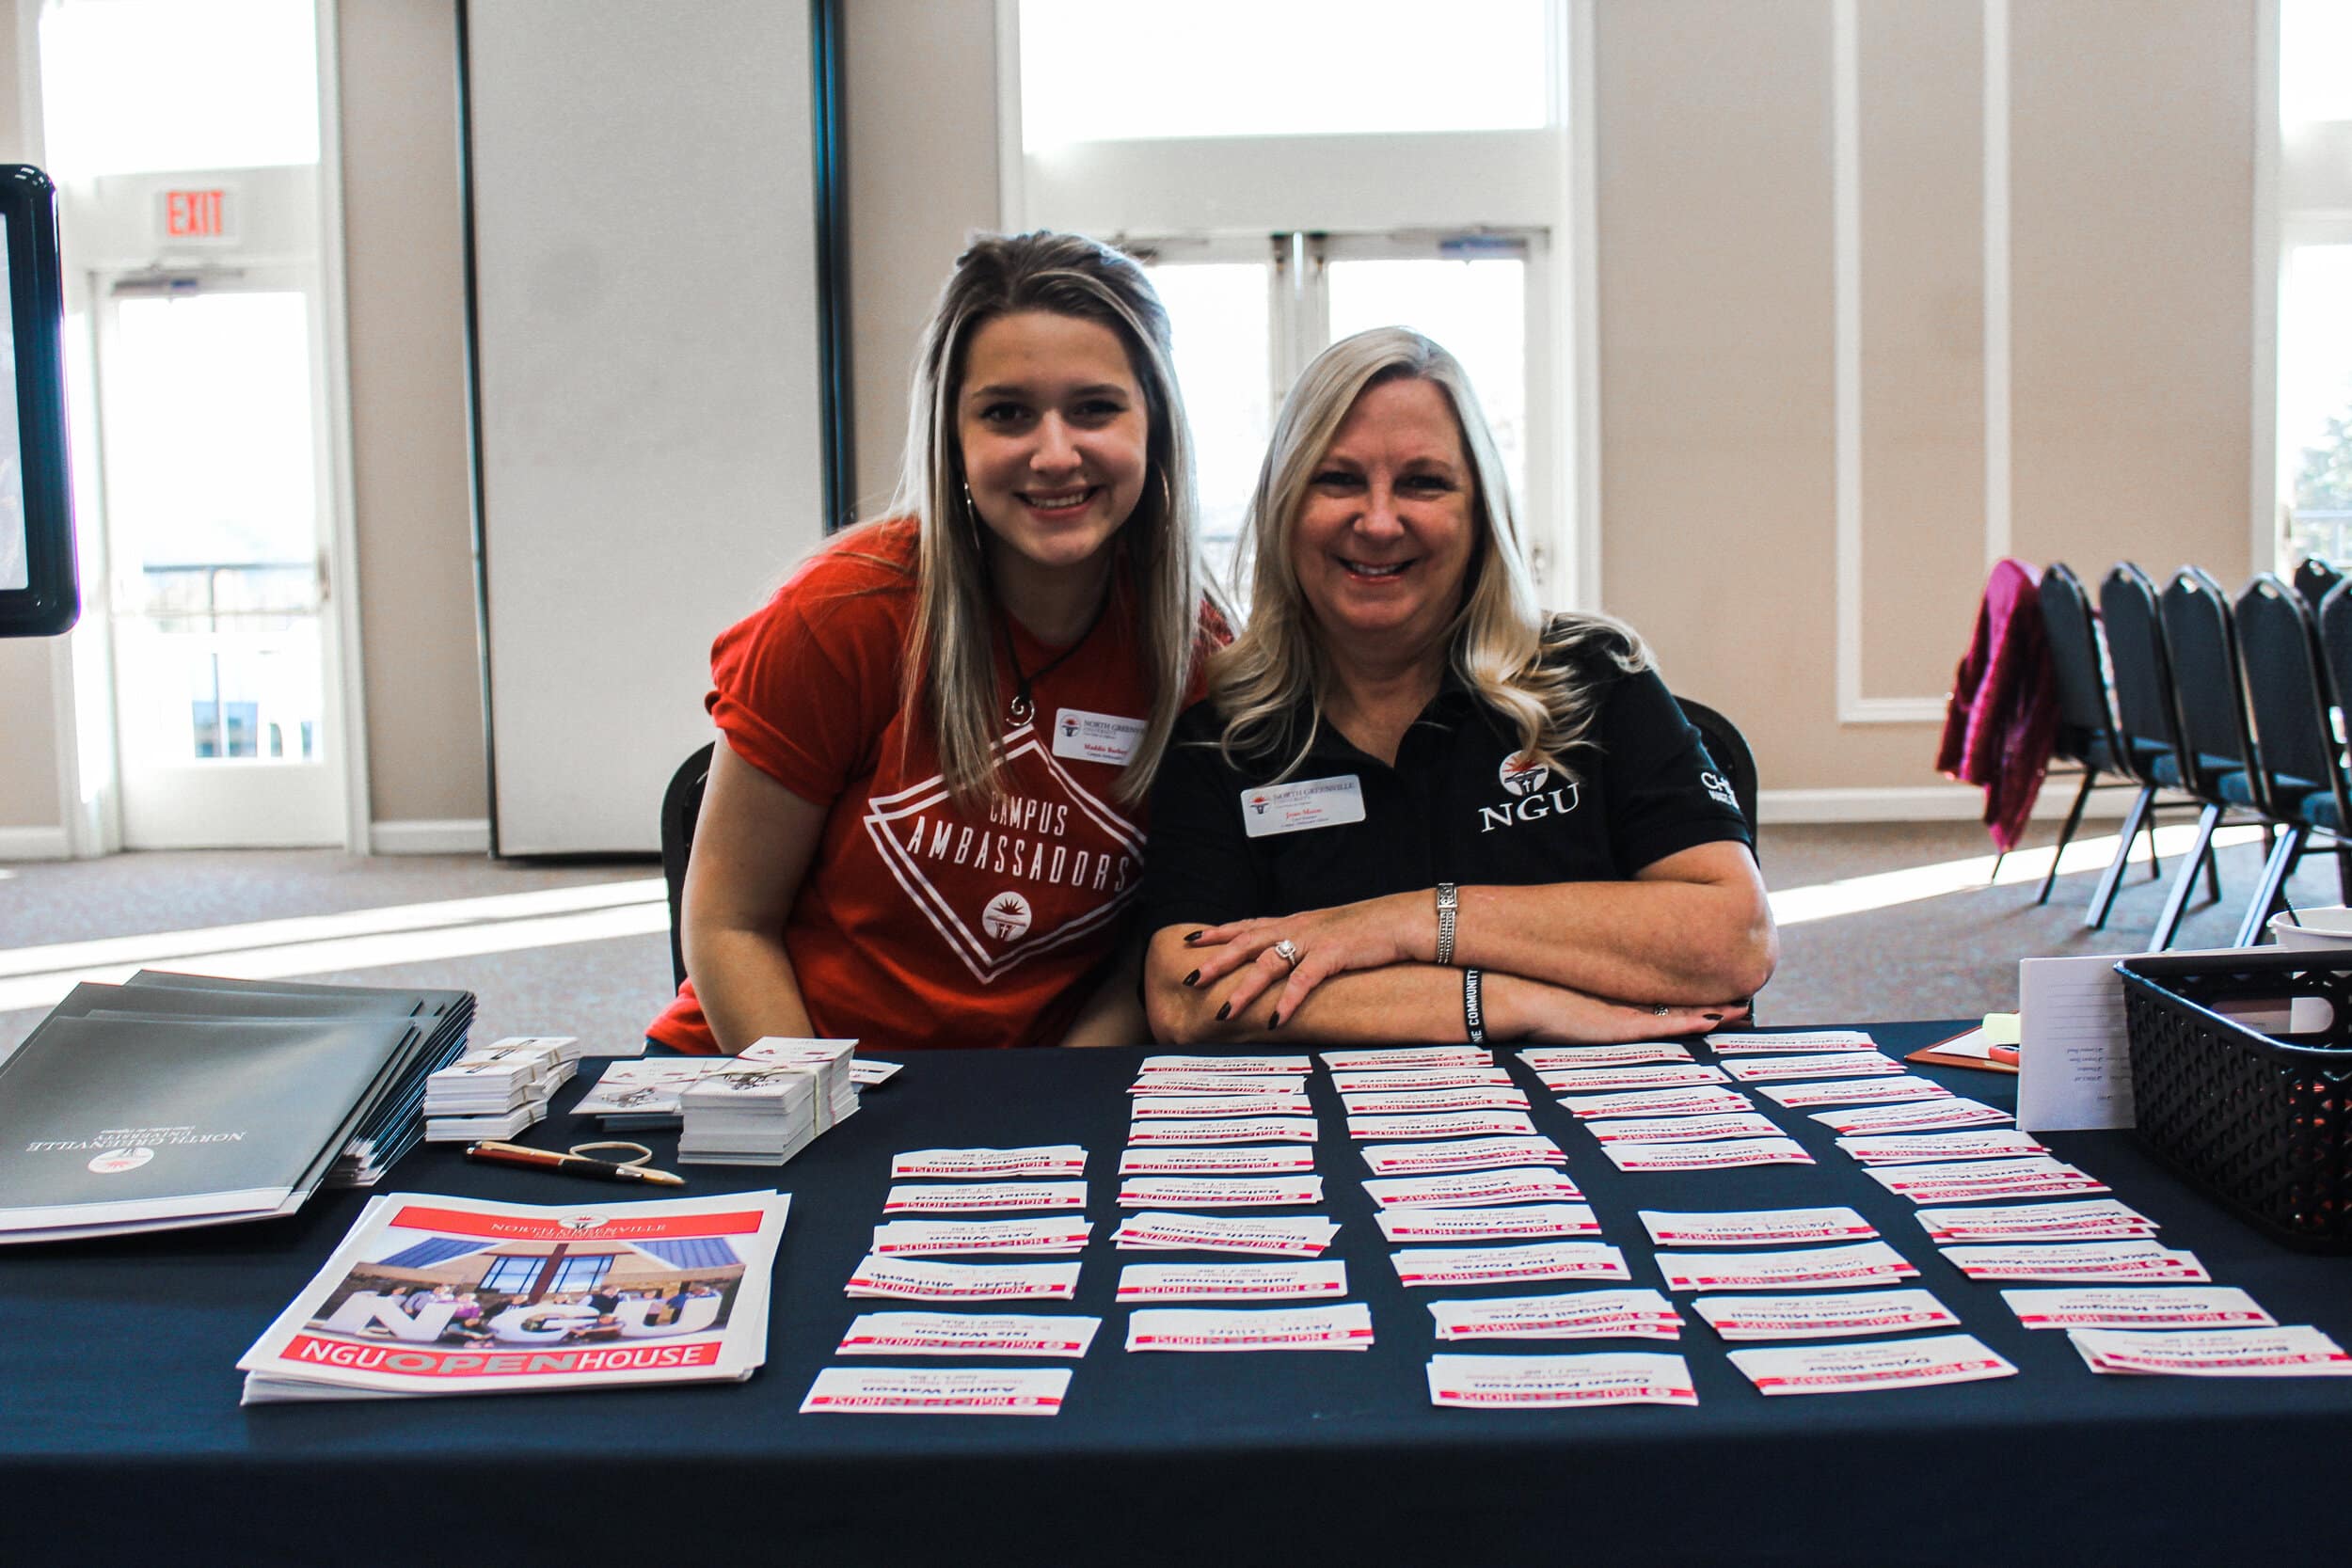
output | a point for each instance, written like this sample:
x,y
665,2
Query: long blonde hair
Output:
x,y
950,671
1519,662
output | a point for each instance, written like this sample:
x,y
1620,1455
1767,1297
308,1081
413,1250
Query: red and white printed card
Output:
x,y
1726,1155
1849,1315
2139,1306
2296,1351
985,1196
1475,1189
1616,1080
1784,1227
2137,1259
1693,1099
1854,1091
1573,1315
1461,1155
1525,1222
907,1237
1276,1160
1967,1180
922,1280
1559,1382
1736,1043
1167,1084
1219,1192
1449,1124
1411,1059
967,1334
1830,1268
1346,1325
1154,1108
1681,1130
936,1391
1865,1369
1427,1078
1421,1103
1298,1065
2093,1219
988,1165
1573,1058
1931,1115
1230,1282
1223,1129
1304,1237
1834,1064
1984,1142
1452,1267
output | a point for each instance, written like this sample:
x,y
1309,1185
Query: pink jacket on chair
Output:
x,y
2002,721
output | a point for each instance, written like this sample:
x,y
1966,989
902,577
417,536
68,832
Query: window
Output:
x,y
2315,342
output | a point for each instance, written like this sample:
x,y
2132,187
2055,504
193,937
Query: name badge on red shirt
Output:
x,y
1104,737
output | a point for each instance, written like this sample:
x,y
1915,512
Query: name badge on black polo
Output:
x,y
1301,804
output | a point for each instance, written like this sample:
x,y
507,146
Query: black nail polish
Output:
x,y
1717,1018
1193,937
1225,1012
1274,1021
1193,978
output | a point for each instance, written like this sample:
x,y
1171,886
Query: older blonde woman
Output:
x,y
1412,806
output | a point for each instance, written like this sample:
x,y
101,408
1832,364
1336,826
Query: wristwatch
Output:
x,y
1448,901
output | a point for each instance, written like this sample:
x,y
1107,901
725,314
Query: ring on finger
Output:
x,y
1660,1009
1287,951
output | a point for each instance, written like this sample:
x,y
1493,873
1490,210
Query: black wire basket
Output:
x,y
2261,1117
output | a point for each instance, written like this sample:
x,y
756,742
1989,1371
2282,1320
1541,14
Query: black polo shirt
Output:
x,y
1228,842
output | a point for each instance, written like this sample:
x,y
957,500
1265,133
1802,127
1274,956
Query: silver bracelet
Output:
x,y
1448,902
1473,1007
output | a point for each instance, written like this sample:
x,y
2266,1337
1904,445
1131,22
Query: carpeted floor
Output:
x,y
1879,920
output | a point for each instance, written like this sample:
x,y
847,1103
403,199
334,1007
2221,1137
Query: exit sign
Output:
x,y
195,215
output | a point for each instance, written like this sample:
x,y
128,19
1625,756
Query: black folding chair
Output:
x,y
2300,764
681,803
2216,759
2086,729
2313,577
2146,728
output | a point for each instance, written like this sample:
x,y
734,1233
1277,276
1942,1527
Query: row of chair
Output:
x,y
2227,708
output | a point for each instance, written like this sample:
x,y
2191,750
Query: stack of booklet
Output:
x,y
179,1099
432,1294
747,1114
498,1090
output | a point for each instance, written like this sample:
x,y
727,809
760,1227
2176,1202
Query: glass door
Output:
x,y
214,506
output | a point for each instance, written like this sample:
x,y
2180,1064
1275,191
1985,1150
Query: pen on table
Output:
x,y
570,1165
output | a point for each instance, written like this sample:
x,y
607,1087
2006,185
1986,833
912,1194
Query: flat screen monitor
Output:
x,y
39,588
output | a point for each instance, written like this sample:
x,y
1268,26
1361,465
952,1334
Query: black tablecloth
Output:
x,y
123,1435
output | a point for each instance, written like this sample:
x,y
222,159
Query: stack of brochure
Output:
x,y
496,1091
182,1099
747,1114
431,1295
829,1060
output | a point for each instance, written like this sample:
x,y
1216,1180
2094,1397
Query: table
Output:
x,y
124,1437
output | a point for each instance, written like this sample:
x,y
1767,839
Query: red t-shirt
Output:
x,y
919,925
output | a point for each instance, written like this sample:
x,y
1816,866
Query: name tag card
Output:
x,y
1279,1160
1446,1124
951,1236
1410,1059
1277,1085
1473,1189
1524,1221
1926,1116
1460,1155
942,1391
1415,1103
2098,1219
1994,1144
2139,1306
1220,1192
1230,1282
1814,1269
1683,1130
1865,1369
1578,1315
1156,1107
1755,1227
1736,1043
967,1334
1968,1180
1575,1058
1227,1064
1873,1091
911,1276
972,1196
976,1164
1725,1155
1834,1064
1446,1267
1223,1129
1304,1237
1559,1382
1345,1326
1612,1080
1301,804
1424,1078
1104,737
2078,1261
1698,1099
2298,1352
1838,1317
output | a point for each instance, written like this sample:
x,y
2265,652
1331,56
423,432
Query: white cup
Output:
x,y
2330,926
